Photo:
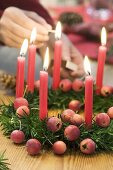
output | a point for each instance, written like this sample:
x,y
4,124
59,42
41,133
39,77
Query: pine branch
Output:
x,y
3,162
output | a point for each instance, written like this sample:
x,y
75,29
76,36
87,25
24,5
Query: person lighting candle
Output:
x,y
19,26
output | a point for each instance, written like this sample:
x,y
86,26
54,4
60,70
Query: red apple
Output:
x,y
65,85
87,146
72,132
77,120
59,147
17,136
67,114
20,102
106,90
33,146
77,85
102,119
110,112
54,124
74,105
22,111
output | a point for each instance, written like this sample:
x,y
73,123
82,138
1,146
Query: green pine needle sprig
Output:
x,y
3,162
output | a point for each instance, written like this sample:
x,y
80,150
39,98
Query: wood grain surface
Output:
x,y
20,160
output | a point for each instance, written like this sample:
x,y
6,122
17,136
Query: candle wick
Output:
x,y
89,73
45,69
57,38
103,44
22,54
32,42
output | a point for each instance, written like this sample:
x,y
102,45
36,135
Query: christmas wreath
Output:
x,y
64,128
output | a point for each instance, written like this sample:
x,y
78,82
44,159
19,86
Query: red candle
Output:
x,y
20,70
88,95
43,91
57,57
101,61
31,62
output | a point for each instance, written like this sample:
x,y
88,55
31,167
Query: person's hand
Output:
x,y
17,24
69,53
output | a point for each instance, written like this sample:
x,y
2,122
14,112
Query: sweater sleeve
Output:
x,y
1,12
30,5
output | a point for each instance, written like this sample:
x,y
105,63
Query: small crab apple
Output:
x,y
65,85
77,120
106,90
17,136
72,132
74,105
102,120
59,147
87,146
37,84
54,124
20,101
110,112
67,114
77,85
33,146
22,111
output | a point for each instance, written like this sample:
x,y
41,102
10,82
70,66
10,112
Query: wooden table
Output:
x,y
20,160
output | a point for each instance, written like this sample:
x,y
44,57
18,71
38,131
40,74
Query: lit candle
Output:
x,y
57,57
101,61
43,90
20,70
88,94
31,62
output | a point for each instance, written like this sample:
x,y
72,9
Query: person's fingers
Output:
x,y
25,33
29,24
65,48
11,43
17,41
41,38
38,19
75,55
64,73
78,73
39,44
23,20
76,58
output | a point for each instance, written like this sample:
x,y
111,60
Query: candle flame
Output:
x,y
103,36
87,66
58,31
33,35
24,47
46,59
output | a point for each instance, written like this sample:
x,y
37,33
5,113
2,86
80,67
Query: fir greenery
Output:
x,y
34,128
3,162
